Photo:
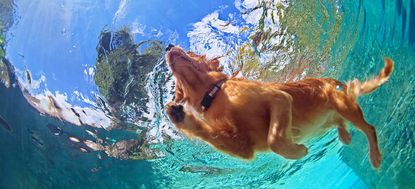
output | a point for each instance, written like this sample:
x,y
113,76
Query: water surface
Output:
x,y
84,85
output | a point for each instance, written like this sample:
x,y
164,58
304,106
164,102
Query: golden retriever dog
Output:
x,y
241,117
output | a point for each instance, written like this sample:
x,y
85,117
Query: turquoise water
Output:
x,y
341,39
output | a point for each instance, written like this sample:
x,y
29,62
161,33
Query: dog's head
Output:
x,y
181,61
195,73
189,67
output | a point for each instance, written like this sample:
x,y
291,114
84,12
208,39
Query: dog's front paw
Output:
x,y
296,151
289,150
175,112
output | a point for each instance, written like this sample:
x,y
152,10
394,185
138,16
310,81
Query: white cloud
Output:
x,y
137,28
78,96
156,32
120,13
244,5
36,83
89,72
173,37
209,36
215,37
213,20
56,105
28,81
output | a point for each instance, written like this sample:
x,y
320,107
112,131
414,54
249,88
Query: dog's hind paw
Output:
x,y
375,159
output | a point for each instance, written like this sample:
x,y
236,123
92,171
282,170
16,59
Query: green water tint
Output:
x,y
313,38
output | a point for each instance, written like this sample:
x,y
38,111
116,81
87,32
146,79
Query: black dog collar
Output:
x,y
210,95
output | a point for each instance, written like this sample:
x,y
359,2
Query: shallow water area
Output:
x,y
83,85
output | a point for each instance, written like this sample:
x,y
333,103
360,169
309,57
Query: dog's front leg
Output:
x,y
235,144
178,94
280,134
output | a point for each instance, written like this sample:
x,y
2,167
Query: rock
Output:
x,y
130,149
93,145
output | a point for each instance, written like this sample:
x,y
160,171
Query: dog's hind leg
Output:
x,y
352,112
280,138
343,133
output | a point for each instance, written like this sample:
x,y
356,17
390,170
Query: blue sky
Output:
x,y
58,39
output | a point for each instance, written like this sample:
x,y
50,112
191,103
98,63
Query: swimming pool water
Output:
x,y
61,41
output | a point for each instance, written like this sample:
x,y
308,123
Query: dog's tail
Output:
x,y
356,88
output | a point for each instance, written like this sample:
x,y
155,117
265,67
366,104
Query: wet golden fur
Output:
x,y
248,116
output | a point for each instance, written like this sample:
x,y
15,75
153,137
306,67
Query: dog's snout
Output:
x,y
169,47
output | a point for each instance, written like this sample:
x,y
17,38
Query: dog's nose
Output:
x,y
169,47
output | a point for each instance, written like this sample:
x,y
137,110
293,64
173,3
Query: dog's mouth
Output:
x,y
174,54
176,57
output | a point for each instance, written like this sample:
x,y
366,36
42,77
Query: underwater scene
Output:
x,y
84,85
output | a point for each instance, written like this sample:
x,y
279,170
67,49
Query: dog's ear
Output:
x,y
202,58
214,65
195,56
191,54
199,58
